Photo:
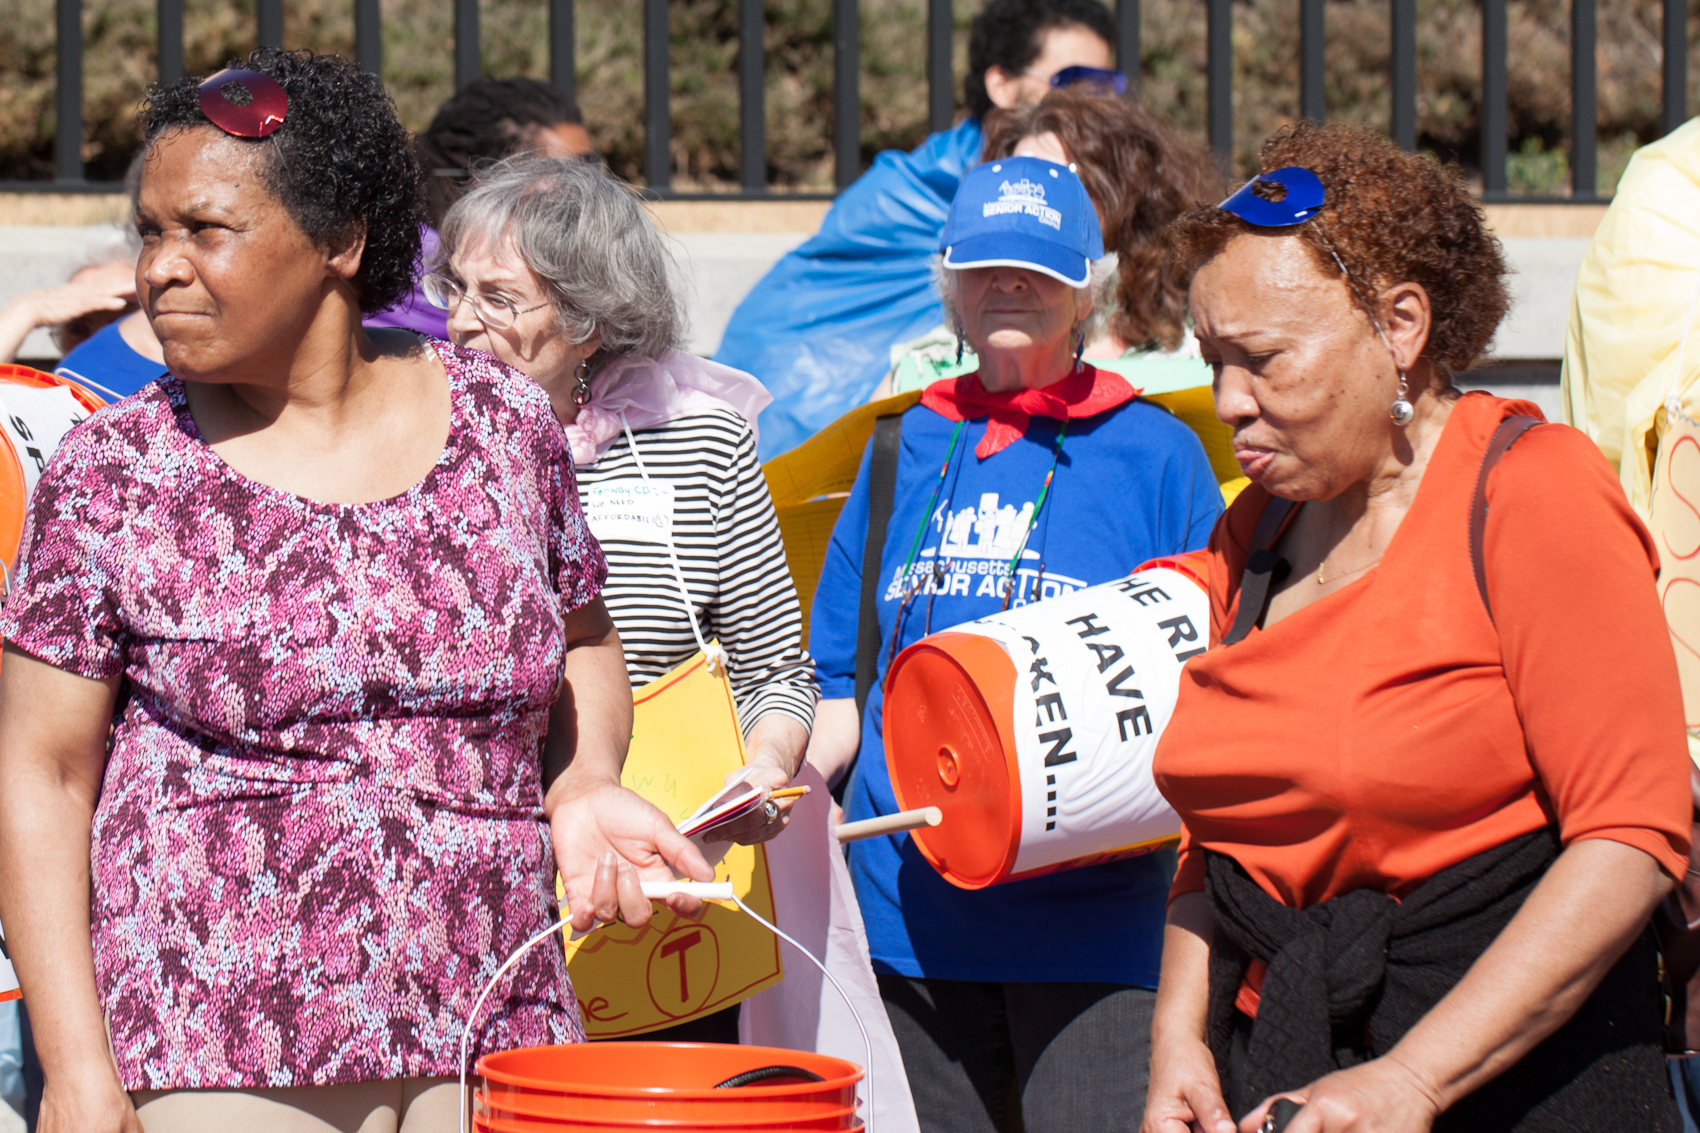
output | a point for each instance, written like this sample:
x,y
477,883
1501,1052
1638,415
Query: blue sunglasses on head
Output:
x,y
1094,76
1301,199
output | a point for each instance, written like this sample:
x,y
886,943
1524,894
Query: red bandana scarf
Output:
x,y
1085,393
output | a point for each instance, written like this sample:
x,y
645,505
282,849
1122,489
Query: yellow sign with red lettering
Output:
x,y
685,740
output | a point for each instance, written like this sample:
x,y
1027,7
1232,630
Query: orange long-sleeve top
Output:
x,y
1393,729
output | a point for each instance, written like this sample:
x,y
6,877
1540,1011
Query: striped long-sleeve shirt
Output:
x,y
705,480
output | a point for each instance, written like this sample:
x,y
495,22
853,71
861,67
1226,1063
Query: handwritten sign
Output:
x,y
634,511
685,739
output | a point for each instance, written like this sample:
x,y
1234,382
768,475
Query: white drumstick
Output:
x,y
703,890
890,824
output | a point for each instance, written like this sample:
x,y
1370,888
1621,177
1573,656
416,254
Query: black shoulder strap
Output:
x,y
882,492
1259,569
1503,438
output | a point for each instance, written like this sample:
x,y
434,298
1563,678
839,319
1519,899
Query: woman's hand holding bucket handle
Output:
x,y
608,841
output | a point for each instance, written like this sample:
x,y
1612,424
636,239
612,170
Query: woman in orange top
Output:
x,y
1427,812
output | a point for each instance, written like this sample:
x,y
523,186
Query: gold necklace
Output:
x,y
1320,581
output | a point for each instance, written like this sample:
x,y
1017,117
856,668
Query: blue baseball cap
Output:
x,y
1023,212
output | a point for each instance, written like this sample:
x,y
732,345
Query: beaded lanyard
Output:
x,y
911,583
1032,522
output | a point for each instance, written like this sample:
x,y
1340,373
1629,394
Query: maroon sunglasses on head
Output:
x,y
247,104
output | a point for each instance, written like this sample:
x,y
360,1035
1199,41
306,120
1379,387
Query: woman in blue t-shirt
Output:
x,y
1025,1005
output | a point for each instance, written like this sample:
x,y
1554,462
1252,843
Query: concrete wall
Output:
x,y
725,247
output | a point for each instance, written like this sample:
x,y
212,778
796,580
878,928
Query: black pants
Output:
x,y
1022,1057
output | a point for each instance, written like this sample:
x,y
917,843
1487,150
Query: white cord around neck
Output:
x,y
717,659
478,1005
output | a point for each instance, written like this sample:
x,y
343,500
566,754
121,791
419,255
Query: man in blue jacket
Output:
x,y
819,328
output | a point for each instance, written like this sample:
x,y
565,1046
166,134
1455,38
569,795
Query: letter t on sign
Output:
x,y
682,944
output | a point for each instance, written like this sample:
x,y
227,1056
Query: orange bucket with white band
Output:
x,y
1033,730
36,411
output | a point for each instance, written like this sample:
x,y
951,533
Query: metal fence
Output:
x,y
846,109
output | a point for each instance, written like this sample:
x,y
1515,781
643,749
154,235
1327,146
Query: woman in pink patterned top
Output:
x,y
284,665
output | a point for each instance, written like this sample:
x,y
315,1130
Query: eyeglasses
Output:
x,y
1092,76
492,310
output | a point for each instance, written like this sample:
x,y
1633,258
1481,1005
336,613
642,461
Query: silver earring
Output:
x,y
581,392
1079,346
959,345
1401,410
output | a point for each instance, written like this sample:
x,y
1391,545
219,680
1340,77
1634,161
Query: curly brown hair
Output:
x,y
1141,175
1391,217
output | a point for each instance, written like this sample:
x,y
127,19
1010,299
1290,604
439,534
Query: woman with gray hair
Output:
x,y
554,267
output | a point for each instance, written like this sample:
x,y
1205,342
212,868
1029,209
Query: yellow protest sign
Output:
x,y
685,739
809,483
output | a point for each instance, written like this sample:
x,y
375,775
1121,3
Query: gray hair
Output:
x,y
589,239
1100,284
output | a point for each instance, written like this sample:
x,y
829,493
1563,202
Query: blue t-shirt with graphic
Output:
x,y
1131,484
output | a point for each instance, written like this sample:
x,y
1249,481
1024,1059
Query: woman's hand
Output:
x,y
776,744
111,288
1184,1095
99,1106
608,840
1380,1096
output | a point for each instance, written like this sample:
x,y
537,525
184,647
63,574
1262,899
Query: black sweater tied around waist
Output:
x,y
1347,978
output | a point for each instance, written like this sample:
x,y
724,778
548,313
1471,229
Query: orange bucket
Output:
x,y
498,1123
608,1086
1033,730
552,1109
38,409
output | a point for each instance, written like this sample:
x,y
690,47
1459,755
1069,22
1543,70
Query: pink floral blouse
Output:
x,y
321,826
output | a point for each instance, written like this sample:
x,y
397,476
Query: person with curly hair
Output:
x,y
308,690
1432,771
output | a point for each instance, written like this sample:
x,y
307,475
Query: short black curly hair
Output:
x,y
1390,216
340,160
1007,34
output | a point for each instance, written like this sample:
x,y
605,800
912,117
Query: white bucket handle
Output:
x,y
656,890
